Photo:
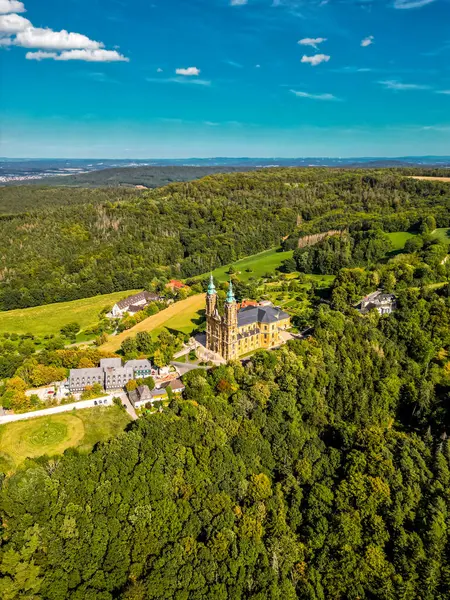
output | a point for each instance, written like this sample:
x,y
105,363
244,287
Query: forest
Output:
x,y
318,471
61,244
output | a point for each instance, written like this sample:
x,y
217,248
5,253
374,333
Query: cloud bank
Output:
x,y
63,45
11,6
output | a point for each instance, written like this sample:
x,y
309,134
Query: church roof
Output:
x,y
260,314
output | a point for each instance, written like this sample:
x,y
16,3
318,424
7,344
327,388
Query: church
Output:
x,y
240,331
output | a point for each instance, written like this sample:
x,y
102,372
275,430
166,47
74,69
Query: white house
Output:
x,y
384,303
133,304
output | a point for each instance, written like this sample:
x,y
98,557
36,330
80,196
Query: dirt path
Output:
x,y
426,177
188,307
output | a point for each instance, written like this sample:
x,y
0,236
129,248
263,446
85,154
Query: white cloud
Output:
x,y
446,92
87,55
98,55
314,96
392,84
238,2
11,6
13,23
189,72
405,4
316,59
73,46
368,41
159,70
313,42
47,39
187,81
39,55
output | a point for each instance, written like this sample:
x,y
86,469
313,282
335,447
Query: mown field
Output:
x,y
53,434
181,316
48,319
254,266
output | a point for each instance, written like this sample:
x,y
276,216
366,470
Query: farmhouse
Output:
x,y
241,330
384,303
134,304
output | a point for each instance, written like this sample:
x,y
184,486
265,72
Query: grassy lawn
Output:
x,y
180,316
258,265
399,239
48,319
54,434
443,234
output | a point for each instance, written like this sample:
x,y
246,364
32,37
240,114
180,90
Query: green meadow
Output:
x,y
49,318
52,435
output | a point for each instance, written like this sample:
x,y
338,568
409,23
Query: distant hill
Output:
x,y
145,176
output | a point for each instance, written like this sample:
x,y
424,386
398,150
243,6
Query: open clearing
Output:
x,y
442,233
53,434
254,266
426,177
48,319
399,239
181,316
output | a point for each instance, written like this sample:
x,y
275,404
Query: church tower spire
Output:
x,y
213,320
230,326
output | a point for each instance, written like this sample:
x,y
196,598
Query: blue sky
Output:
x,y
183,78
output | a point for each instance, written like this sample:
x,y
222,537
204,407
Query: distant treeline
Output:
x,y
150,177
65,244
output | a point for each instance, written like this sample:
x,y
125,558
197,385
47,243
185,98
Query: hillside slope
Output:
x,y
102,241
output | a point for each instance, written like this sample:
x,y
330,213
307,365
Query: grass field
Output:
x,y
254,266
443,234
180,316
54,434
48,319
399,239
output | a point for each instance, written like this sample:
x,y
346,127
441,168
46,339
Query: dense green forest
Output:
x,y
63,244
319,471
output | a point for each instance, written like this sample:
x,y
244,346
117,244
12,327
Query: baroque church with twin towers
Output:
x,y
241,330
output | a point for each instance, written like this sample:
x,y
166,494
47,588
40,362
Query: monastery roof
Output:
x,y
108,363
139,364
260,314
147,296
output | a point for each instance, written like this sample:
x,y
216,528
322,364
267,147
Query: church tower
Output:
x,y
213,320
230,327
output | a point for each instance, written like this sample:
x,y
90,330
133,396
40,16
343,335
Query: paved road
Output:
x,y
184,368
129,406
105,401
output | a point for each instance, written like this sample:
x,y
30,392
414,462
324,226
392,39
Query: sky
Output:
x,y
204,78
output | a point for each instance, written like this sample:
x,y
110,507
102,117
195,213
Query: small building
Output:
x,y
141,368
140,396
383,302
176,385
175,284
134,304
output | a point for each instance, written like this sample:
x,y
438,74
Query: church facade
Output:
x,y
240,331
